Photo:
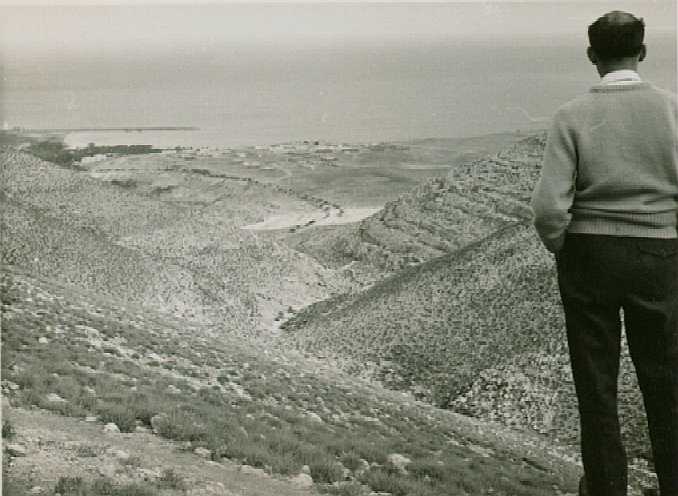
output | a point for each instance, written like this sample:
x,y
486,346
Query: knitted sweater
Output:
x,y
610,166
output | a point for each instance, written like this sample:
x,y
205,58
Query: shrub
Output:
x,y
8,431
352,488
71,486
169,479
119,414
326,469
76,486
181,426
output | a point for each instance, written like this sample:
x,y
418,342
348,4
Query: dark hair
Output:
x,y
617,35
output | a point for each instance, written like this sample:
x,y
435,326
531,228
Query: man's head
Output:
x,y
616,41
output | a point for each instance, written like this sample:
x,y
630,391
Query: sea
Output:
x,y
244,93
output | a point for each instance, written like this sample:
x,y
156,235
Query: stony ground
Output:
x,y
49,447
224,401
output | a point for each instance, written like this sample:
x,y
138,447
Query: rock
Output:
x,y
247,469
173,389
140,429
148,474
90,391
314,417
16,450
364,467
203,452
306,470
55,398
302,480
37,490
12,386
399,461
120,455
43,340
112,428
479,450
108,469
91,418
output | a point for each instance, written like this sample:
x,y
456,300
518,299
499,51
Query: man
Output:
x,y
607,206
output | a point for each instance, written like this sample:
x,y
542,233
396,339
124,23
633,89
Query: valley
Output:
x,y
306,310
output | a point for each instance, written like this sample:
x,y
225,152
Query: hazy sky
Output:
x,y
146,25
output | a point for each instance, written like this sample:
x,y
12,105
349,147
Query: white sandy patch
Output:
x,y
319,218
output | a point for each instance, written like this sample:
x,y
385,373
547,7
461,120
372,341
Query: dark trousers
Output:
x,y
599,275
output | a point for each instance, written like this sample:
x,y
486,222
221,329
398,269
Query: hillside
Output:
x,y
475,325
440,216
223,402
173,244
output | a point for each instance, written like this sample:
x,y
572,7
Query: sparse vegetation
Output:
x,y
479,329
259,417
54,150
170,479
8,432
77,486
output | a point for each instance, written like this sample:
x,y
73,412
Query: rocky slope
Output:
x,y
224,403
477,328
177,249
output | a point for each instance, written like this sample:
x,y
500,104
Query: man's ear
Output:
x,y
592,55
643,53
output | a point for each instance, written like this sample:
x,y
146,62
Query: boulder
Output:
x,y
112,428
54,398
302,480
248,469
314,417
399,461
203,453
108,469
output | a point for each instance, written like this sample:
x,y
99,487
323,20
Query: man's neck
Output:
x,y
628,64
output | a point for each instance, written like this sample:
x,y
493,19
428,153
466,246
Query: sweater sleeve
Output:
x,y
553,195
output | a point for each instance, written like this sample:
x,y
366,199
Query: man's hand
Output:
x,y
554,245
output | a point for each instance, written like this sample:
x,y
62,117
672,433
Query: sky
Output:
x,y
48,25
